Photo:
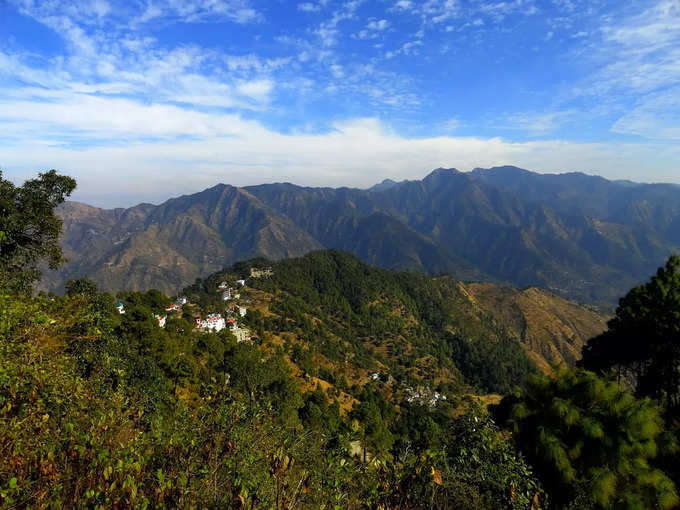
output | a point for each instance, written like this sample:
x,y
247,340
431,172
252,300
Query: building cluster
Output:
x,y
423,396
260,273
177,305
228,293
215,322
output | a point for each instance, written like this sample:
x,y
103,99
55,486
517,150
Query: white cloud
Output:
x,y
657,116
337,71
358,153
639,57
404,4
107,118
309,7
408,48
240,11
537,123
452,124
378,25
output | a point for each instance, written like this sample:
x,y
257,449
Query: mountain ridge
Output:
x,y
503,224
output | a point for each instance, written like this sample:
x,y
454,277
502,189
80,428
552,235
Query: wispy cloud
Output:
x,y
656,116
309,7
537,123
357,153
640,55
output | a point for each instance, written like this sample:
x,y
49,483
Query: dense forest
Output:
x,y
336,401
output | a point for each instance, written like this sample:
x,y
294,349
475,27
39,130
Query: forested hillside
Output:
x,y
339,305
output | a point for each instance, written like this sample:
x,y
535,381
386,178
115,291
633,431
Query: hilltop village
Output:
x,y
234,309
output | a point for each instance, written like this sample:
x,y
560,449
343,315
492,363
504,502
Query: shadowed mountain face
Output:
x,y
169,245
580,236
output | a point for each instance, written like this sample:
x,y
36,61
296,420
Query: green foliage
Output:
x,y
479,456
347,310
375,415
103,410
81,286
643,339
29,228
589,437
494,366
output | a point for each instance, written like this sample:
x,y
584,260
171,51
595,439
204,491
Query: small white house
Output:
x,y
241,283
181,301
161,320
226,295
242,311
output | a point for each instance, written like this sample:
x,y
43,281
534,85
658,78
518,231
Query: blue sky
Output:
x,y
142,99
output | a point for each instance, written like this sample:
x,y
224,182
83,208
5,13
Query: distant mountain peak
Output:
x,y
508,169
442,172
384,185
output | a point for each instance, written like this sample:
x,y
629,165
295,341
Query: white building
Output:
x,y
242,311
213,322
161,320
241,283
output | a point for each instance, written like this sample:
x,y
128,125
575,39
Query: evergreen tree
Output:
x,y
593,440
643,340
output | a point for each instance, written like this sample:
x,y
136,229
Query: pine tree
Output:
x,y
590,438
643,339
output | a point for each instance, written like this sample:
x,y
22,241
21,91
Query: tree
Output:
x,y
591,439
82,287
643,340
375,414
485,461
30,229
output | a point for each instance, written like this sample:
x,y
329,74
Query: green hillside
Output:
x,y
321,382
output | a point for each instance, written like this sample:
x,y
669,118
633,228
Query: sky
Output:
x,y
141,100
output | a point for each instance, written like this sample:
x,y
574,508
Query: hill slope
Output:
x,y
356,318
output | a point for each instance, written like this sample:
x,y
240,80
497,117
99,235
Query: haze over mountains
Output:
x,y
580,236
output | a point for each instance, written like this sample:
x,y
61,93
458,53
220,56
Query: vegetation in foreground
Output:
x,y
99,409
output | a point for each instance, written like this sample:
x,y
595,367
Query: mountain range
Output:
x,y
580,236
